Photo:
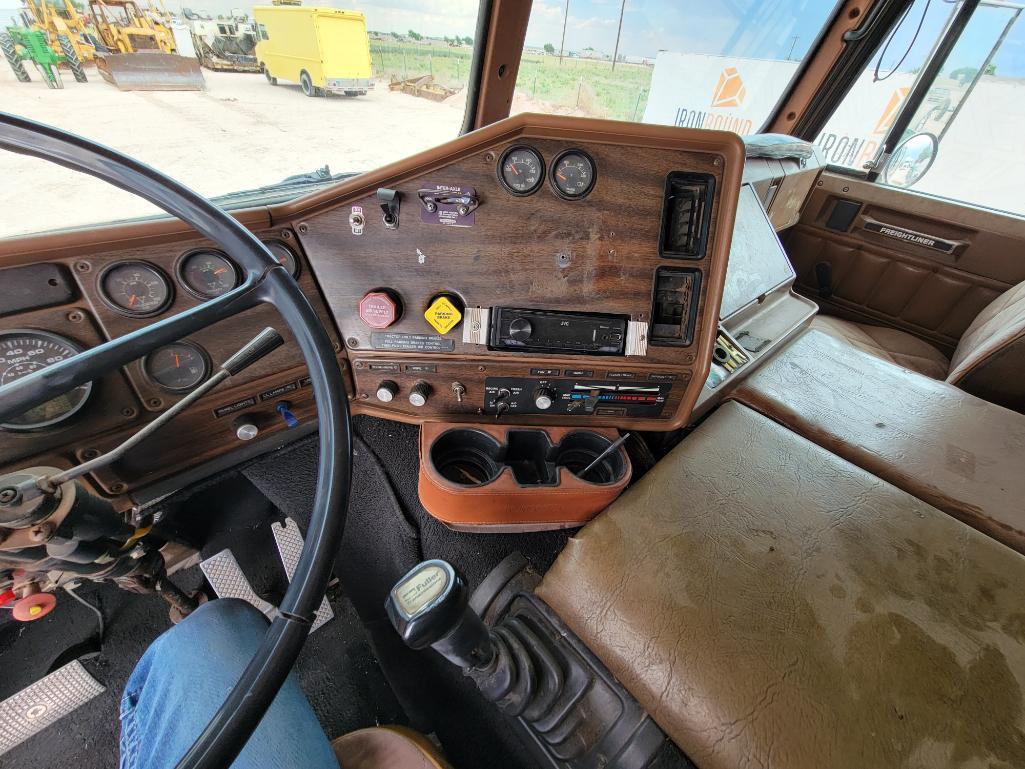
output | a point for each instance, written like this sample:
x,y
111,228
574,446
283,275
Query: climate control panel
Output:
x,y
575,397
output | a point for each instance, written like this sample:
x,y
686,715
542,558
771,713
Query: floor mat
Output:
x,y
337,668
387,533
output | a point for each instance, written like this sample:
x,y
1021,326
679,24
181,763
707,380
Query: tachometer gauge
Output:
x,y
135,288
573,174
521,170
25,351
284,255
177,367
207,274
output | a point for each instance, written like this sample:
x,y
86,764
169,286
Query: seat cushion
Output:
x,y
957,452
890,344
772,605
990,358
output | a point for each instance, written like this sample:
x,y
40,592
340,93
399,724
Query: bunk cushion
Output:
x,y
957,452
770,604
890,344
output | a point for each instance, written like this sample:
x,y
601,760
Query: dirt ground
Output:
x,y
239,133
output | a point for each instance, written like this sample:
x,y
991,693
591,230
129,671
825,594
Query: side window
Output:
x,y
959,140
263,33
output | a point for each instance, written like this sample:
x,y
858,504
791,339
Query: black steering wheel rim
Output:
x,y
265,282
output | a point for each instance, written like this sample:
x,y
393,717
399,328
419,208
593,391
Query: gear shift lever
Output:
x,y
430,607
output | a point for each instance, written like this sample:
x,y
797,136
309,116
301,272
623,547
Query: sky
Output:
x,y
761,29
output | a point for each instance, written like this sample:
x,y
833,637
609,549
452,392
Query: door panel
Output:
x,y
925,265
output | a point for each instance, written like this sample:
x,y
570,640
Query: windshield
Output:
x,y
269,101
713,64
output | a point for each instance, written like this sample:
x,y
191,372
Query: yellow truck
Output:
x,y
324,50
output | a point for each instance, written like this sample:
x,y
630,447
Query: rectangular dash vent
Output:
x,y
686,214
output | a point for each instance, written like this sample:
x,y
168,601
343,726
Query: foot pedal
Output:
x,y
290,545
49,699
226,578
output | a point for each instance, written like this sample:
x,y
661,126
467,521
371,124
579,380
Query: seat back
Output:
x,y
990,358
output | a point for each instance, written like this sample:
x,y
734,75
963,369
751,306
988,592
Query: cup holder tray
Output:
x,y
517,479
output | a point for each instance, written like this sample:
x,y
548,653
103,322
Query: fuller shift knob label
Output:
x,y
421,589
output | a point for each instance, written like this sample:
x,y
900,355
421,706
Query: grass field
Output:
x,y
584,85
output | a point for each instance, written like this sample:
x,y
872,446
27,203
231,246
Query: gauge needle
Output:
x,y
219,270
513,169
561,177
131,300
177,362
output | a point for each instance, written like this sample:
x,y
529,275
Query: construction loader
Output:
x,y
140,51
65,28
224,44
20,44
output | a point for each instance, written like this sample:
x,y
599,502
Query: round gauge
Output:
x,y
135,288
521,170
177,367
25,351
207,274
285,256
573,174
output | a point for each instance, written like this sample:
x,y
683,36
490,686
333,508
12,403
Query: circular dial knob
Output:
x,y
245,428
544,397
520,329
419,394
386,391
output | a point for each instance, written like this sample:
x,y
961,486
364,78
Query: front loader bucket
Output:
x,y
150,71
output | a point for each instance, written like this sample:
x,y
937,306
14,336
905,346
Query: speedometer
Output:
x,y
24,351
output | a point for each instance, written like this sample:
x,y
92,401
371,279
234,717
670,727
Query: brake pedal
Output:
x,y
49,699
290,546
226,578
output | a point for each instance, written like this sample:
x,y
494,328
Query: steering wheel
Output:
x,y
268,282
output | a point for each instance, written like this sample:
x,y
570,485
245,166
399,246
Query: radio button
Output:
x,y
520,329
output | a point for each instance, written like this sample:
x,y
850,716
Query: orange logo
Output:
x,y
890,113
730,90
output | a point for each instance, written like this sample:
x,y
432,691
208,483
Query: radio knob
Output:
x,y
520,329
386,391
419,394
543,398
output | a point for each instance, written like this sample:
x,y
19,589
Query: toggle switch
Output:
x,y
284,408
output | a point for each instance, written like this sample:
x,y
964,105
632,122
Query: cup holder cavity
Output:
x,y
528,454
578,450
467,457
471,457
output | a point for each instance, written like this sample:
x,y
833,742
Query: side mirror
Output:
x,y
910,161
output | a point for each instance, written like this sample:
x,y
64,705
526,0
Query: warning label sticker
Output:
x,y
443,315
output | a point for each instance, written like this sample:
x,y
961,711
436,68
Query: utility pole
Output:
x,y
562,45
615,53
792,45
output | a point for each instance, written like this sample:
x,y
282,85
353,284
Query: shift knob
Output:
x,y
429,606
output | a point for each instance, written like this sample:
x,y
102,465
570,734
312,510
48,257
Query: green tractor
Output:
x,y
20,45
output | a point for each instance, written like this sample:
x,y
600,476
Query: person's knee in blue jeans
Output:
x,y
186,674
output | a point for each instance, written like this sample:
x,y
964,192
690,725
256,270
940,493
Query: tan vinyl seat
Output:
x,y
989,360
772,605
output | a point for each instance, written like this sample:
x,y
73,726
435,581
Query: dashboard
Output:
x,y
544,270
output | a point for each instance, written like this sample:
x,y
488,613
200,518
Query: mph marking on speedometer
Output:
x,y
24,352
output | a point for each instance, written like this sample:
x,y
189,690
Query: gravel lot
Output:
x,y
239,133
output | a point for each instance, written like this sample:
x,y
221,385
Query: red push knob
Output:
x,y
379,309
